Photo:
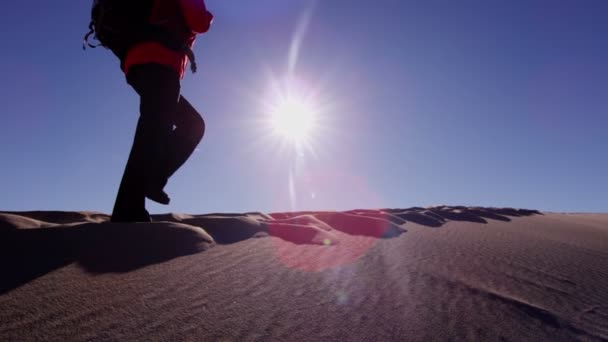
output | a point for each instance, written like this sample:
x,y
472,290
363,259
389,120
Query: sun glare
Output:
x,y
292,119
294,116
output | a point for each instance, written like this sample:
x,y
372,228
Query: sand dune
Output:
x,y
415,274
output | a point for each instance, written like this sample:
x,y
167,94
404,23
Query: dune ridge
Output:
x,y
366,222
416,274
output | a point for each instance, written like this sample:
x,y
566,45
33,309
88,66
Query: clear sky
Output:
x,y
487,102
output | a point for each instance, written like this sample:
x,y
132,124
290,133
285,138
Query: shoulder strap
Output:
x,y
86,42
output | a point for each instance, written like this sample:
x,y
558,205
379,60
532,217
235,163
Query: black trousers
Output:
x,y
168,131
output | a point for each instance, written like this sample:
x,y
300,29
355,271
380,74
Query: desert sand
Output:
x,y
416,274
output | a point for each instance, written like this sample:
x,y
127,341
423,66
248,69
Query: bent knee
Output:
x,y
197,128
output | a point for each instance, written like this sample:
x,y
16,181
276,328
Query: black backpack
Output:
x,y
120,24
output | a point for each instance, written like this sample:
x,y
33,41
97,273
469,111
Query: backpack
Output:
x,y
119,24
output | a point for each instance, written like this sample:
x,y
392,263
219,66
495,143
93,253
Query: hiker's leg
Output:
x,y
130,205
158,87
188,132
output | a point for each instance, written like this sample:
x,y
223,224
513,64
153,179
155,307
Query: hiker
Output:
x,y
153,40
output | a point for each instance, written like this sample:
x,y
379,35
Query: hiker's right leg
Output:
x,y
130,205
158,87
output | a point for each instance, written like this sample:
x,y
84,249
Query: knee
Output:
x,y
190,121
198,129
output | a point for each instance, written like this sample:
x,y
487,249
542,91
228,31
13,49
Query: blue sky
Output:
x,y
491,103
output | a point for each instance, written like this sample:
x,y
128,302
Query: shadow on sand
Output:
x,y
97,247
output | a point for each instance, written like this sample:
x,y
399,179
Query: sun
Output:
x,y
294,115
293,118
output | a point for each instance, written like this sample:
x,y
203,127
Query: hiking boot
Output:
x,y
155,192
141,216
158,196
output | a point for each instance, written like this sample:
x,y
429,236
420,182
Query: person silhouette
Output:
x,y
154,59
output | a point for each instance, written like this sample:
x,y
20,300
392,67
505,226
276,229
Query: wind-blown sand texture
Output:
x,y
417,274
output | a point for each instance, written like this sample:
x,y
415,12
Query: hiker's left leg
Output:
x,y
188,132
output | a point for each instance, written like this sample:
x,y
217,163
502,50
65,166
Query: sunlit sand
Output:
x,y
415,274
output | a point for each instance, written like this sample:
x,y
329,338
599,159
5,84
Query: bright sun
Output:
x,y
293,119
